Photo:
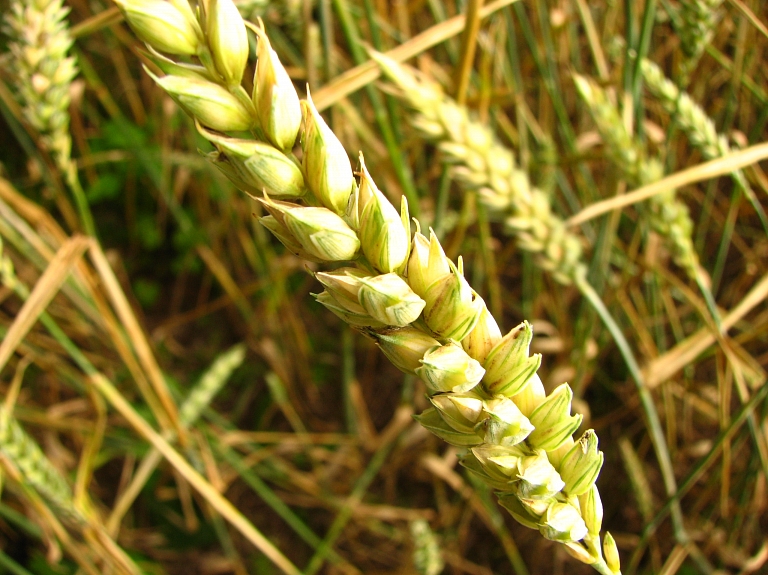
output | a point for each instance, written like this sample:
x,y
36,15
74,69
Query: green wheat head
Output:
x,y
395,287
667,215
427,558
480,162
36,471
696,24
43,70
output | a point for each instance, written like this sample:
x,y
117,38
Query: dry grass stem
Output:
x,y
705,171
362,75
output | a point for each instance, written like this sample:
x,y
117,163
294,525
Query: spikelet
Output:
x,y
668,215
43,70
479,162
415,303
697,125
25,455
697,21
426,550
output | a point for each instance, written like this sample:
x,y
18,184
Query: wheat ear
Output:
x,y
668,215
480,162
696,23
397,288
43,73
427,558
697,125
23,452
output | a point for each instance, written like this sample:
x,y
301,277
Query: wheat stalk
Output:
x,y
43,73
397,288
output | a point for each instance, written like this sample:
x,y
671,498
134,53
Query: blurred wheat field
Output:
x,y
175,401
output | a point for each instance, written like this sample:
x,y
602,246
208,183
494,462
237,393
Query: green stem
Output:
x,y
11,566
348,378
646,401
73,181
345,513
602,568
642,50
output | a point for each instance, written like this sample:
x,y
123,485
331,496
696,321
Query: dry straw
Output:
x,y
19,450
395,287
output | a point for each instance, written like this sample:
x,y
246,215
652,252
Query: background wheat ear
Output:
x,y
43,72
33,467
697,22
698,126
481,164
667,214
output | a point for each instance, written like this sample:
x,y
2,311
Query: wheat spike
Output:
x,y
399,289
43,70
697,21
43,73
479,162
23,452
426,549
667,214
697,125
